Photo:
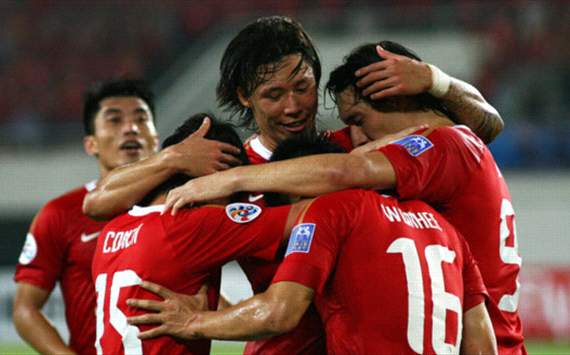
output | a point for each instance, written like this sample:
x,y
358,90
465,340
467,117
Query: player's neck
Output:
x,y
158,200
161,200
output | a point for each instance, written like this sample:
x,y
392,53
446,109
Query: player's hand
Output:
x,y
173,315
201,189
387,139
198,156
395,75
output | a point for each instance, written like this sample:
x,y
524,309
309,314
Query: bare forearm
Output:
x,y
472,110
249,320
313,175
37,330
125,186
478,334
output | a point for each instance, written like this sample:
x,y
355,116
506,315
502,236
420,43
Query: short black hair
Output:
x,y
296,147
100,91
343,77
223,132
262,43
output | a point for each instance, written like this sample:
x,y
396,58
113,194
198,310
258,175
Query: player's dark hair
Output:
x,y
343,77
223,132
296,147
113,88
255,54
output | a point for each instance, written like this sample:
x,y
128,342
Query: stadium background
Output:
x,y
516,52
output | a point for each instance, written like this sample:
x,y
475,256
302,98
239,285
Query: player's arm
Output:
x,y
478,335
276,311
125,186
32,324
400,75
306,176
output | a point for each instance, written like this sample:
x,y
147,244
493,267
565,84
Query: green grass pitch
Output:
x,y
231,348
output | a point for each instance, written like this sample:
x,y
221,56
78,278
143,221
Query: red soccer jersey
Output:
x,y
452,170
60,247
341,138
181,252
256,152
308,337
389,277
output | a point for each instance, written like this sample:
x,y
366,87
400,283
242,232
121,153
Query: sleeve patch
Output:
x,y
301,238
29,251
415,144
242,212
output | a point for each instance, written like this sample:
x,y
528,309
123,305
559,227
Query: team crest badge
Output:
x,y
301,238
29,251
415,144
242,212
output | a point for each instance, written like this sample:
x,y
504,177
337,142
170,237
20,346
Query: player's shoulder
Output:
x,y
350,196
459,133
70,200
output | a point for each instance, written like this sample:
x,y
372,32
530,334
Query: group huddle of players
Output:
x,y
395,234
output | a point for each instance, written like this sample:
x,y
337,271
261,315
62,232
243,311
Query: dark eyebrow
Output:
x,y
111,110
140,110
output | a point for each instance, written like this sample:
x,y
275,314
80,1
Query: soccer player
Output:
x,y
447,166
270,73
119,129
269,78
118,118
183,252
386,277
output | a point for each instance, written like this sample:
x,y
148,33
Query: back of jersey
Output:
x,y
132,248
390,275
182,253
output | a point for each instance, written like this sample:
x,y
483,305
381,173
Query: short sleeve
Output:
x,y
316,240
41,260
433,166
212,238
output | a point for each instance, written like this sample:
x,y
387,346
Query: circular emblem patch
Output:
x,y
29,251
242,212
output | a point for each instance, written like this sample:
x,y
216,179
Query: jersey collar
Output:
x,y
260,149
138,211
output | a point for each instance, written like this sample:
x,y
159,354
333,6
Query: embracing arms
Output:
x,y
276,311
125,186
400,75
307,176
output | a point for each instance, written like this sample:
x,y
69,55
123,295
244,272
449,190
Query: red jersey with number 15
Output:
x,y
389,277
180,252
453,170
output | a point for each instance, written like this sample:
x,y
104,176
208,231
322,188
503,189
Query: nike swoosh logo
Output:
x,y
253,198
89,237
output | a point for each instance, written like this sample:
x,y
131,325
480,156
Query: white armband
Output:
x,y
440,82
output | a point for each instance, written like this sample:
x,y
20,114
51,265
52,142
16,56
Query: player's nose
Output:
x,y
357,136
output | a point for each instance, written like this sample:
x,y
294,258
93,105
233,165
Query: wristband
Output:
x,y
440,82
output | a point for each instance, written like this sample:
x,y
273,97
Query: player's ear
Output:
x,y
90,145
245,102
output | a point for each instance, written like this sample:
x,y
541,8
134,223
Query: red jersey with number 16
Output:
x,y
389,277
451,169
180,252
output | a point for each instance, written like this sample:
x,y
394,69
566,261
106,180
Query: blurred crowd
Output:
x,y
50,50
